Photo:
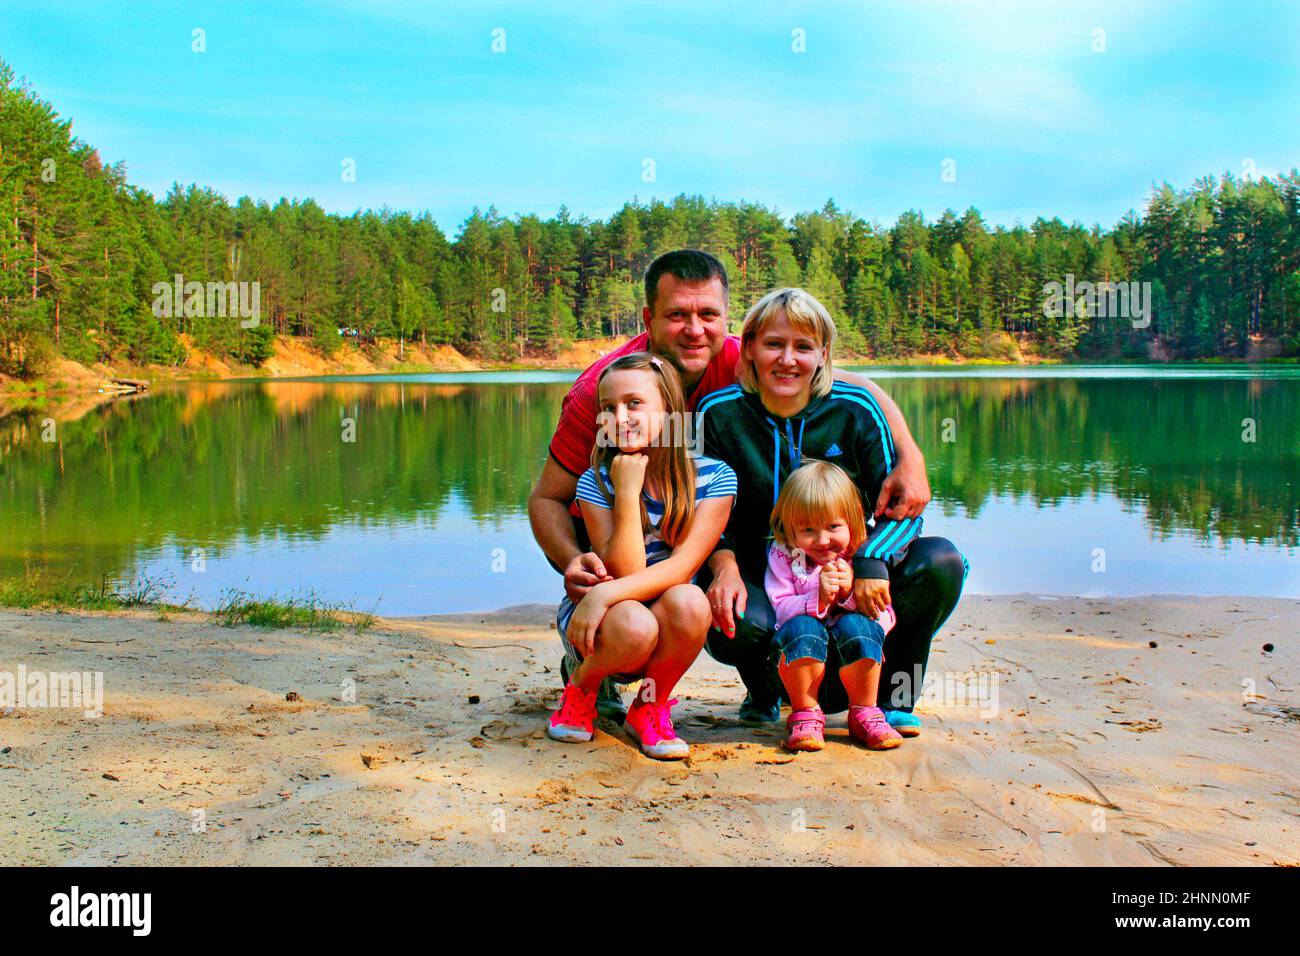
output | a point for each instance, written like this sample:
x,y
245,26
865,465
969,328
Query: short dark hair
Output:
x,y
686,265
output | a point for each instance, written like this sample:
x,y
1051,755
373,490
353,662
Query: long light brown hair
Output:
x,y
670,468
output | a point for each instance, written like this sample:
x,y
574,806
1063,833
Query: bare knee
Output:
x,y
627,635
683,613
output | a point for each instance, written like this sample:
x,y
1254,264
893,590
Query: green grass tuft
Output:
x,y
35,591
307,611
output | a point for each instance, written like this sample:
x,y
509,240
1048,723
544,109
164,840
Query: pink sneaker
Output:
x,y
573,722
651,725
868,724
805,729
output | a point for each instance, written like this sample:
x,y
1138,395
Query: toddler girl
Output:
x,y
817,525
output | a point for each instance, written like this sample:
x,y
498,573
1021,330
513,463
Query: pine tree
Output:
x,y
81,252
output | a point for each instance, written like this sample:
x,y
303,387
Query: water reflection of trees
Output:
x,y
1173,446
209,464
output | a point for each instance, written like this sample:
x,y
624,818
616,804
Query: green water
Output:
x,y
252,485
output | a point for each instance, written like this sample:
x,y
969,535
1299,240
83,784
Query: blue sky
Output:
x,y
1037,122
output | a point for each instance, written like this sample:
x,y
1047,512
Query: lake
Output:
x,y
1054,480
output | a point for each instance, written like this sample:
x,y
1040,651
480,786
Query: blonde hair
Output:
x,y
813,494
806,316
670,467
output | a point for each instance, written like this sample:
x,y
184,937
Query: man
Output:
x,y
685,318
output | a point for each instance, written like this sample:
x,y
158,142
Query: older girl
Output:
x,y
654,513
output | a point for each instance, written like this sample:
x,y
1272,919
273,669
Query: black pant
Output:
x,y
924,588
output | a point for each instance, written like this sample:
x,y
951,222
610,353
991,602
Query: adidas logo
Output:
x,y
833,450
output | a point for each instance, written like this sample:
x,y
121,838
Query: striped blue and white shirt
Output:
x,y
713,479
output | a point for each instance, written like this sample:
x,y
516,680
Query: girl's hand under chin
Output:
x,y
627,473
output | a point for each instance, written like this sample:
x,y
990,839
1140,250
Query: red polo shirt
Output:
x,y
575,435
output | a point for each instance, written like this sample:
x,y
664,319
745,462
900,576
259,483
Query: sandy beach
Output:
x,y
421,742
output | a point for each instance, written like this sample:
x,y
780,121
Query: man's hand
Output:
x,y
584,572
727,596
906,490
627,474
871,595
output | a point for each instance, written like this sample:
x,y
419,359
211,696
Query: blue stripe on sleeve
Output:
x,y
721,395
861,396
894,539
876,548
714,479
589,491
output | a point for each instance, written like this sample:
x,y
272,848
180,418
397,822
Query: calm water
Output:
x,y
427,510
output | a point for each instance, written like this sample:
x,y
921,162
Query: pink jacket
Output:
x,y
793,585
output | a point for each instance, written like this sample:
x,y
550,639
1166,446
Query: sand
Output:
x,y
1101,749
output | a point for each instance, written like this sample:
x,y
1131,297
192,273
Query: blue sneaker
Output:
x,y
907,724
751,713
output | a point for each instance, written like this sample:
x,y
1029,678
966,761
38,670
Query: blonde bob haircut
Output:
x,y
814,494
806,316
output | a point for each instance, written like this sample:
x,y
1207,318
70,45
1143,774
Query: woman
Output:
x,y
787,407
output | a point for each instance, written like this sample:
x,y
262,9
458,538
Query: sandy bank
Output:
x,y
294,357
1101,749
